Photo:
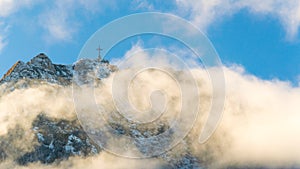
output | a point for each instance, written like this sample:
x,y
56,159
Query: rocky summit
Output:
x,y
41,68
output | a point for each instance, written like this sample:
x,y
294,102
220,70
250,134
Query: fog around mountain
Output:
x,y
259,128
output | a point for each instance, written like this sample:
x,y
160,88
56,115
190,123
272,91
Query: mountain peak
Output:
x,y
42,56
42,61
41,68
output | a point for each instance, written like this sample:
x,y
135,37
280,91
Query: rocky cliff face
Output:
x,y
58,140
54,140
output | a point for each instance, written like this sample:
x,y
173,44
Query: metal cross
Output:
x,y
99,50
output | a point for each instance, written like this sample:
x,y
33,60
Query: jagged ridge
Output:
x,y
42,68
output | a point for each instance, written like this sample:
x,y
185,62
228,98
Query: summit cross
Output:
x,y
99,53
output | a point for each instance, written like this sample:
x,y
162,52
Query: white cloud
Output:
x,y
56,21
203,13
3,35
260,125
92,6
142,5
8,7
60,20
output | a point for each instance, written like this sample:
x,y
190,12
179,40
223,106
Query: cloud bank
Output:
x,y
259,128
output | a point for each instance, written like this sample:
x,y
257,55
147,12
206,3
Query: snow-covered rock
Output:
x,y
57,140
42,68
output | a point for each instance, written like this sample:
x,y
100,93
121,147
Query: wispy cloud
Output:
x,y
7,7
142,5
61,21
3,34
56,21
58,28
203,13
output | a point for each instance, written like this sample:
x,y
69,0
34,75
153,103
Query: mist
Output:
x,y
259,127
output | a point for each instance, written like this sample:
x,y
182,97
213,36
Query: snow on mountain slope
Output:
x,y
42,68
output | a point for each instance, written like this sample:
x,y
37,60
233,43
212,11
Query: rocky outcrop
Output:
x,y
57,141
42,68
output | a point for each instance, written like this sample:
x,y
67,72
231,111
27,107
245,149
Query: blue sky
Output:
x,y
263,37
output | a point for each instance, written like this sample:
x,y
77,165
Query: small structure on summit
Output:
x,y
99,53
100,59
